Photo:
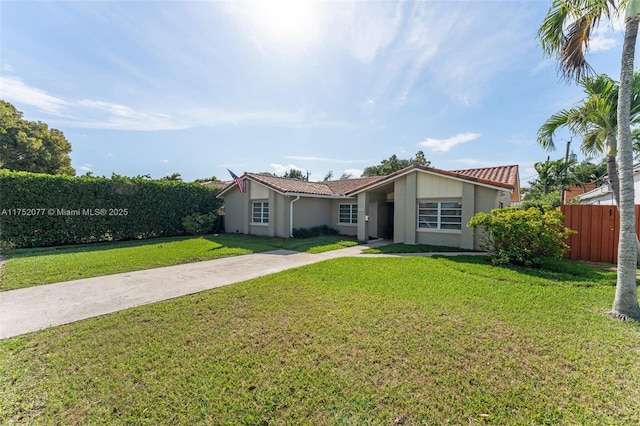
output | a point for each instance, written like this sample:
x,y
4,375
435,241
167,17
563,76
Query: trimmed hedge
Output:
x,y
38,210
316,231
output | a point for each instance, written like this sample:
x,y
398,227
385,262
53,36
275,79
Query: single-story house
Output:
x,y
415,205
603,195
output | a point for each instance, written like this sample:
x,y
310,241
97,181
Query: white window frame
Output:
x,y
353,214
430,215
262,210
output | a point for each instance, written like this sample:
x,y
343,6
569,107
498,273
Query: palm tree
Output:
x,y
595,121
625,303
565,32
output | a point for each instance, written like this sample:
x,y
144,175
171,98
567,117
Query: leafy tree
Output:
x,y
346,176
211,179
31,146
328,176
296,174
532,197
556,175
565,32
393,164
173,177
595,121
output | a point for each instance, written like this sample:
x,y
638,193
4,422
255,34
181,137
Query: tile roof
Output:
x,y
297,186
503,176
509,175
347,185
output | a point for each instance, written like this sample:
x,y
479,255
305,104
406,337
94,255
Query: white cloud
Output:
x,y
16,91
601,42
473,162
86,167
99,114
367,27
165,161
444,145
322,159
353,172
280,168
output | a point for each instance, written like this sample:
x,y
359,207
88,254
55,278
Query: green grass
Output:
x,y
30,267
411,248
350,341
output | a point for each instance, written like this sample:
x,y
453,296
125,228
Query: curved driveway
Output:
x,y
34,308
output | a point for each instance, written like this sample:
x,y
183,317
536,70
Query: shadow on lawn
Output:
x,y
250,243
219,239
561,272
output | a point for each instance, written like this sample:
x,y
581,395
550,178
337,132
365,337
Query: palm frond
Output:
x,y
566,30
594,142
549,127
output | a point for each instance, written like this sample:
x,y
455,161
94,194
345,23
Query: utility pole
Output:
x,y
566,170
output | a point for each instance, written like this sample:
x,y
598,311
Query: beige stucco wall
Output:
x,y
236,212
406,192
310,212
417,186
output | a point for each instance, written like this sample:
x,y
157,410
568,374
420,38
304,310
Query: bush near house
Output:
x,y
39,210
200,223
523,237
316,231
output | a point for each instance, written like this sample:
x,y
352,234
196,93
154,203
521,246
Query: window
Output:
x,y
348,213
260,212
440,215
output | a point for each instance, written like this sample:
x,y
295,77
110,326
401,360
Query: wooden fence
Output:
x,y
598,228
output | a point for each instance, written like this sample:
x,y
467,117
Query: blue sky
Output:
x,y
162,87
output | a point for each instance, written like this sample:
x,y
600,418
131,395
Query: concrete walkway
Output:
x,y
34,308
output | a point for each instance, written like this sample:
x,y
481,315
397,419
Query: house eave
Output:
x,y
392,177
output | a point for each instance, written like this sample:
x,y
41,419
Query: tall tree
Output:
x,y
393,164
296,174
595,121
625,303
565,32
31,146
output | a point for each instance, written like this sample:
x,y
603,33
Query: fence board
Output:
x,y
598,228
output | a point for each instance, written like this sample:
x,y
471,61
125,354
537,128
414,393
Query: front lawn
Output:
x,y
30,267
411,248
350,341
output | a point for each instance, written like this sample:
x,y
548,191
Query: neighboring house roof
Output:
x,y
605,190
289,186
503,177
216,183
457,175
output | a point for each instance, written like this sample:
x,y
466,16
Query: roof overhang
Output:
x,y
434,172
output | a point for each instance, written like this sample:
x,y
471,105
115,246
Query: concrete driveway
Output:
x,y
34,308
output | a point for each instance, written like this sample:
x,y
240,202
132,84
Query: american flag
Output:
x,y
238,181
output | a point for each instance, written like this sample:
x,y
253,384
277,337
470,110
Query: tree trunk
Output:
x,y
625,304
612,168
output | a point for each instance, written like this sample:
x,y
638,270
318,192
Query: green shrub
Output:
x,y
523,237
199,223
38,210
316,231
